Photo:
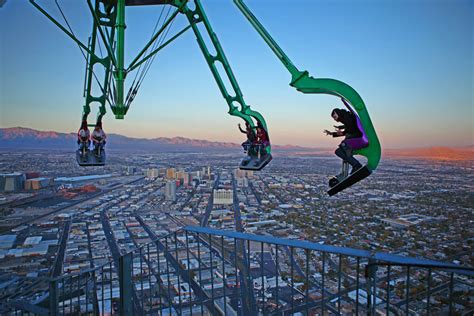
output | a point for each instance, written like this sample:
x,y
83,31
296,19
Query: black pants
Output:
x,y
345,153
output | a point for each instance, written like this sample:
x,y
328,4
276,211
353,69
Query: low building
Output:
x,y
7,241
12,182
223,197
37,183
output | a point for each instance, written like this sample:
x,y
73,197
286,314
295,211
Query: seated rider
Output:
x,y
83,136
262,138
251,137
98,137
349,129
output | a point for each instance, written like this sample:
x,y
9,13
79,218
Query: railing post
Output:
x,y
125,281
53,297
370,272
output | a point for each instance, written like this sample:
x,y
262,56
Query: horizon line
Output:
x,y
471,146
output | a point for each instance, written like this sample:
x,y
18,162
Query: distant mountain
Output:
x,y
27,138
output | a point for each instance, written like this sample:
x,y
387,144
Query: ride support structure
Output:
x,y
108,30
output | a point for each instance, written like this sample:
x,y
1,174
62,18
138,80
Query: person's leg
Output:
x,y
345,153
341,153
246,145
263,150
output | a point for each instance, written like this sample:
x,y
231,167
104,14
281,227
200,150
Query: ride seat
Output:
x,y
359,142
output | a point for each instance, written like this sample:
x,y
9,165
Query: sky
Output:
x,y
410,60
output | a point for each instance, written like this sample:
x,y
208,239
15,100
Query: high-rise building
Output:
x,y
130,170
243,173
180,175
188,179
170,191
223,197
152,173
170,173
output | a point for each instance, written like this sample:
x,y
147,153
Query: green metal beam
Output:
x,y
108,20
119,108
105,40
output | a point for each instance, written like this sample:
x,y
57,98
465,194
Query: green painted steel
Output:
x,y
107,20
195,17
304,83
119,108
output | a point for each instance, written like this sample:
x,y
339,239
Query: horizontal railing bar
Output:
x,y
388,258
279,241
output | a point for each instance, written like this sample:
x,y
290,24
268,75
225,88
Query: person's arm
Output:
x,y
339,133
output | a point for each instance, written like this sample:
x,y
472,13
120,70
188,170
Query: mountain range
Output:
x,y
27,138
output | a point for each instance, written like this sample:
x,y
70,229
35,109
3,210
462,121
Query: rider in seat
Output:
x,y
262,139
98,137
350,130
83,137
251,137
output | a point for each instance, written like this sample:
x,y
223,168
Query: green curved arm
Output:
x,y
196,16
307,84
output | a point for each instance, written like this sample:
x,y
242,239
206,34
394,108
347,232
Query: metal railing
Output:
x,y
199,270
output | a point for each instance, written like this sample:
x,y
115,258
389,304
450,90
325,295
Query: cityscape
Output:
x,y
59,220
353,194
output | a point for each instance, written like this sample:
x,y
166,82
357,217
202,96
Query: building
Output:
x,y
171,173
181,175
242,182
12,182
7,241
170,191
223,197
188,179
131,170
152,173
243,173
77,181
37,183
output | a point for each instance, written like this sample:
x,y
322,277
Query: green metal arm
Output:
x,y
307,84
198,16
105,40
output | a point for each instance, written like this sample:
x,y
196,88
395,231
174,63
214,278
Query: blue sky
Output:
x,y
411,61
